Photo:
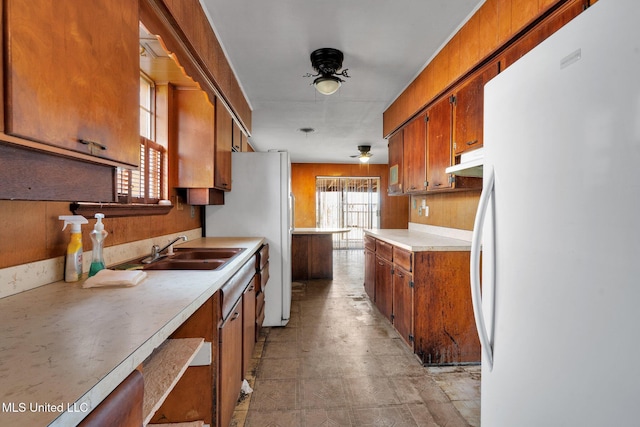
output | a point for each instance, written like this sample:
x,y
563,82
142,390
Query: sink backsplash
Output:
x,y
23,277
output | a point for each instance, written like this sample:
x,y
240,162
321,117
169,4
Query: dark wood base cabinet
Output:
x,y
427,297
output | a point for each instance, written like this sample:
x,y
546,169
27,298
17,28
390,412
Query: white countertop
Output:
x,y
320,230
419,238
66,347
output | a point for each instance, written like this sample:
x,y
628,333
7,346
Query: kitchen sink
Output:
x,y
186,264
206,253
186,259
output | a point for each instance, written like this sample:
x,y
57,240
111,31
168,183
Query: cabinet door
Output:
x,y
224,140
72,76
403,304
370,274
415,155
439,144
230,370
395,162
195,119
468,110
383,287
249,324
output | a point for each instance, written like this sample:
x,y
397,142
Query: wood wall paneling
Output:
x,y
495,23
193,22
394,211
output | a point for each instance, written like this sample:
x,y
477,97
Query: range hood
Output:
x,y
470,164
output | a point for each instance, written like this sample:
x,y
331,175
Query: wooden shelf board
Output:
x,y
163,369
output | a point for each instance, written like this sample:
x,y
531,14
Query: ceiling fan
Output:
x,y
327,62
365,153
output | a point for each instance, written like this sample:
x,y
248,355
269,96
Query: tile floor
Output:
x,y
340,363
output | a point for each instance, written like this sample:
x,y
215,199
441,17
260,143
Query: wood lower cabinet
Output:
x,y
248,324
427,297
403,304
384,286
312,256
230,370
370,267
123,406
445,331
71,77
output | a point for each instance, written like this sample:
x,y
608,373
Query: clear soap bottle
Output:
x,y
98,234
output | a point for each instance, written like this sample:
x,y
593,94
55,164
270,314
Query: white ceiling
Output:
x,y
386,43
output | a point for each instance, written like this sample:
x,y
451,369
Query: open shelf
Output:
x,y
163,369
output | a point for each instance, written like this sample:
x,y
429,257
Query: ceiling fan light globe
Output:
x,y
364,159
326,85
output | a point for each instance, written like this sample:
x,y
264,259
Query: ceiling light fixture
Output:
x,y
327,62
365,153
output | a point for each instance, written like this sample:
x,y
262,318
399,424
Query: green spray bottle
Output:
x,y
98,234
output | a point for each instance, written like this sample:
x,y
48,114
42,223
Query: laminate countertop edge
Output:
x,y
418,241
66,348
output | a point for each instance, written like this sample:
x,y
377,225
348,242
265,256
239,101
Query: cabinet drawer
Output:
x,y
369,243
264,278
384,250
402,258
234,288
263,257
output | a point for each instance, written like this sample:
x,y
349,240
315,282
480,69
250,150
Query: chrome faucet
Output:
x,y
156,251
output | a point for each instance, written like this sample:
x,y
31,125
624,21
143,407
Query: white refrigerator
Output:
x,y
559,223
260,204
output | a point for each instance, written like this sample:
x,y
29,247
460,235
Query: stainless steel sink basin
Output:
x,y
186,264
187,259
207,253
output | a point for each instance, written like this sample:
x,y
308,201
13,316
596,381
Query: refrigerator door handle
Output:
x,y
476,293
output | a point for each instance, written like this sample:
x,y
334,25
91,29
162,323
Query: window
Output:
x,y
148,183
348,202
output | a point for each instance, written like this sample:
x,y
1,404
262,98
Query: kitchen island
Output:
x,y
418,278
312,253
66,348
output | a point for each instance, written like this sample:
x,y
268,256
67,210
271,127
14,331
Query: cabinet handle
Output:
x,y
92,144
437,185
475,141
235,315
380,263
400,275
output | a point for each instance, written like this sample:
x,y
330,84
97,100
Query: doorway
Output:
x,y
348,202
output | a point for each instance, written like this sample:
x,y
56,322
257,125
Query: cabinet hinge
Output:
x,y
426,119
393,316
411,338
455,146
393,270
426,184
411,284
451,179
452,99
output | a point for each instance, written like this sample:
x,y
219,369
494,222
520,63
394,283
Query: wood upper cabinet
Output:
x,y
72,77
468,110
194,154
439,144
396,155
238,139
223,147
415,151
